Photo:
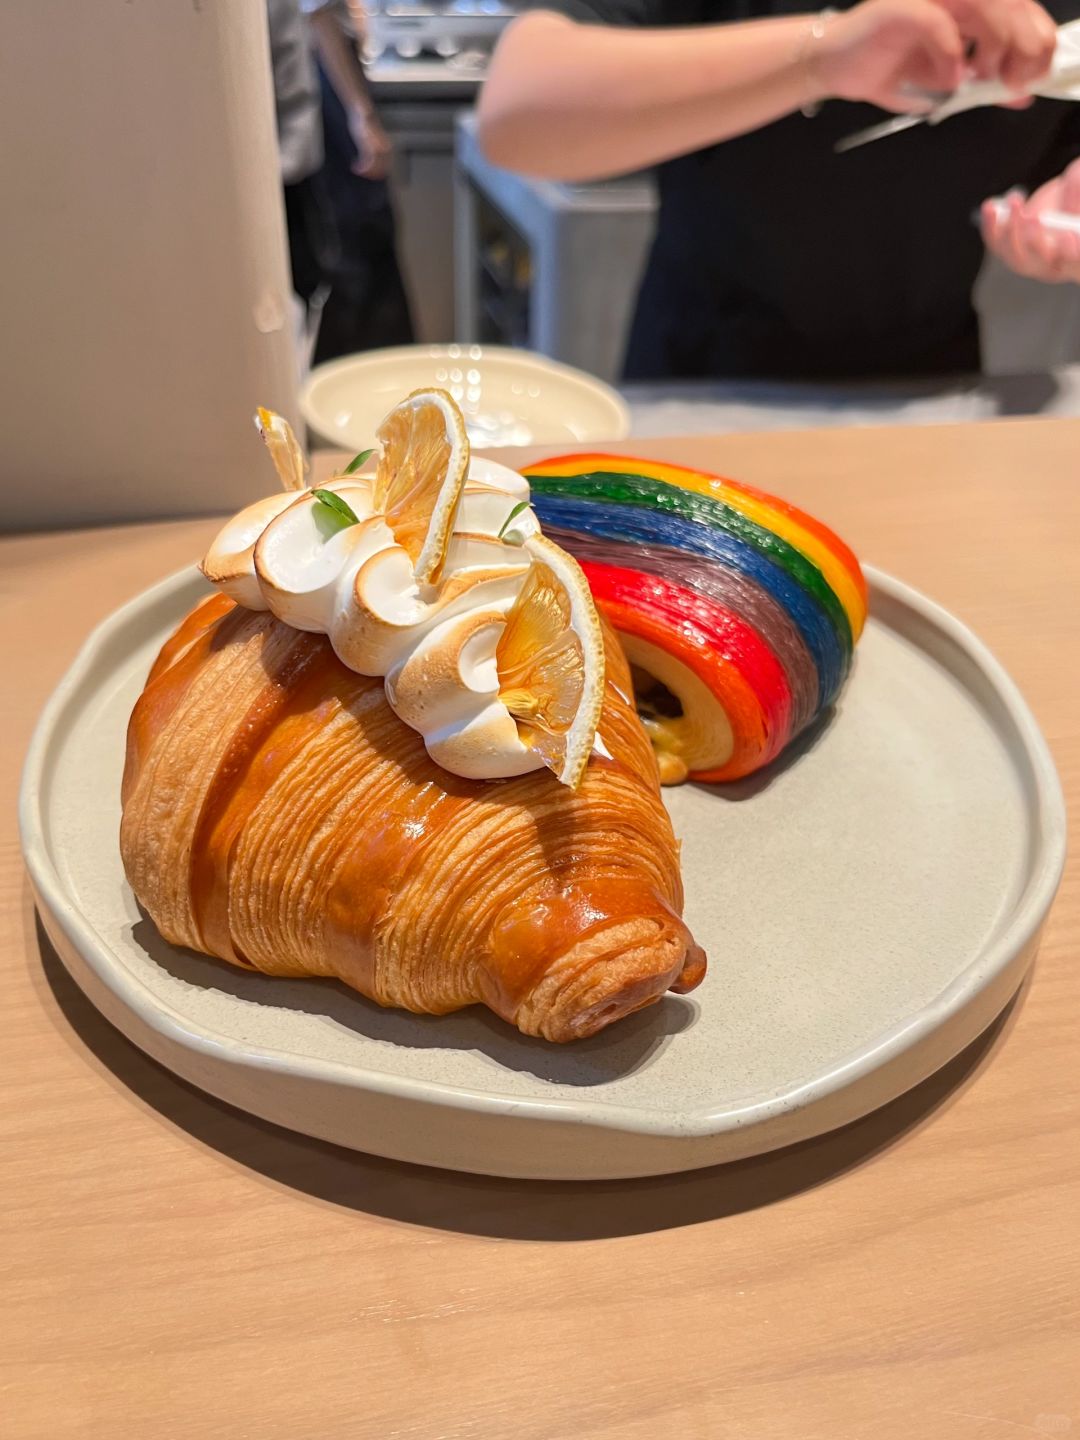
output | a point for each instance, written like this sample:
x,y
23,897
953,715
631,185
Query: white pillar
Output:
x,y
144,293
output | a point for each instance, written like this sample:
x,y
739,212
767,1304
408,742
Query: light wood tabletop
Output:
x,y
175,1269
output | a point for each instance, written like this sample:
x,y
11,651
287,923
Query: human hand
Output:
x,y
1013,231
887,51
373,149
1010,40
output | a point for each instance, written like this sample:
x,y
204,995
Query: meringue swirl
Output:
x,y
434,645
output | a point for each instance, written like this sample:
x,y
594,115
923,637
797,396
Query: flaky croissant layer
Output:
x,y
278,815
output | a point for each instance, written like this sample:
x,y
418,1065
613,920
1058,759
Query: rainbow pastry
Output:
x,y
738,613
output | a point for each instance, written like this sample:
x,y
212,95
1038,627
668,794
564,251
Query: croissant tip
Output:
x,y
693,971
649,970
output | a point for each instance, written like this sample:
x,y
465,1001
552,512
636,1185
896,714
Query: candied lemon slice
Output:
x,y
550,661
283,446
420,476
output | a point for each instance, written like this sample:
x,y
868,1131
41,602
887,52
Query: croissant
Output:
x,y
278,815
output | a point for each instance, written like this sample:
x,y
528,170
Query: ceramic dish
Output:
x,y
508,397
868,907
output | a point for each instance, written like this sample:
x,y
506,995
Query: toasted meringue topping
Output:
x,y
435,643
230,562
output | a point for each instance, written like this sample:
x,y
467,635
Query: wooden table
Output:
x,y
175,1269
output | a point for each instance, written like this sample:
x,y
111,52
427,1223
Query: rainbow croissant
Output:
x,y
738,612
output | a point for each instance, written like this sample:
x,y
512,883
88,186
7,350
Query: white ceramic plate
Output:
x,y
508,397
868,909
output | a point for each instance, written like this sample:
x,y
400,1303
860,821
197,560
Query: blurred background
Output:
x,y
210,206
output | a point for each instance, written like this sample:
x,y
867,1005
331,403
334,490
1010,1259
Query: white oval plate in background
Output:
x,y
869,906
508,397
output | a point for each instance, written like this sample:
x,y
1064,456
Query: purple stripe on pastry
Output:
x,y
738,593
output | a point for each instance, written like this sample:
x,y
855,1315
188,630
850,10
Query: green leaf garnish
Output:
x,y
334,511
514,513
357,461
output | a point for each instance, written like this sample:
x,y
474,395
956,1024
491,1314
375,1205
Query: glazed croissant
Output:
x,y
278,815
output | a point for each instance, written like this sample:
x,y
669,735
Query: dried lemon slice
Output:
x,y
420,476
283,446
550,661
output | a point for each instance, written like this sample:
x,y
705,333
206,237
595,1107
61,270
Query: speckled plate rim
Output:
x,y
990,965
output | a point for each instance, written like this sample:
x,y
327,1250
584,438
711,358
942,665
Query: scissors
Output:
x,y
933,100
880,131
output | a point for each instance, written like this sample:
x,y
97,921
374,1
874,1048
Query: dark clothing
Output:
x,y
367,307
312,236
776,257
341,246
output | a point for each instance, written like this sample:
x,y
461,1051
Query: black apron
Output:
x,y
776,257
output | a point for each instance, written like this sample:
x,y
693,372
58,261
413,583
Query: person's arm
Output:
x,y
574,102
337,52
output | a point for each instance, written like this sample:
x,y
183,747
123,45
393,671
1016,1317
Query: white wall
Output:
x,y
144,299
